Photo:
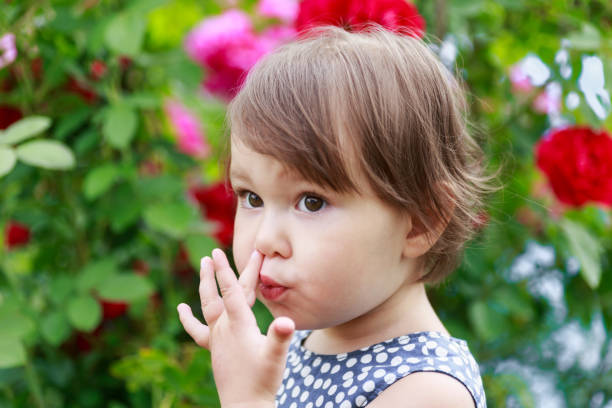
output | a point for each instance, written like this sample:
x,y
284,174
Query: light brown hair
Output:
x,y
385,100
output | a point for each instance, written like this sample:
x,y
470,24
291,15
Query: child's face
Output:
x,y
339,256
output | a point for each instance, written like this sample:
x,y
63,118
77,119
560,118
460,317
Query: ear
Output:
x,y
419,239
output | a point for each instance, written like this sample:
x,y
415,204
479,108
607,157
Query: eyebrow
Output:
x,y
239,175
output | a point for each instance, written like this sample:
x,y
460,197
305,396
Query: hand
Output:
x,y
247,365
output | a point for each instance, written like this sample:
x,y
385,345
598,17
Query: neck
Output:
x,y
407,311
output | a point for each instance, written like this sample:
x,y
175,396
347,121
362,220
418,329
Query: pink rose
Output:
x,y
285,10
519,79
7,49
191,138
227,47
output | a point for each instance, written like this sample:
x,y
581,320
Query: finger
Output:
x,y
250,276
212,304
278,339
233,297
199,332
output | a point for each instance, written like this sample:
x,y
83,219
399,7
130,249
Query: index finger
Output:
x,y
233,297
250,276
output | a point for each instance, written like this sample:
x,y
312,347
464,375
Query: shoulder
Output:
x,y
425,389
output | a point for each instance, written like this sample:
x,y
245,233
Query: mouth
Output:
x,y
270,289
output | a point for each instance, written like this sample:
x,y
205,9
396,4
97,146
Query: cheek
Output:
x,y
242,245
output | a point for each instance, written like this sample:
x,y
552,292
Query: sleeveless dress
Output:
x,y
354,379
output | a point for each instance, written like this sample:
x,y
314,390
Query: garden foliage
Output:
x,y
111,190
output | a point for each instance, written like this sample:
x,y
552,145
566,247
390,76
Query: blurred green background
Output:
x,y
110,192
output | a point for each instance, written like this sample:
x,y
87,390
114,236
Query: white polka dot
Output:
x,y
329,404
361,401
332,389
295,391
397,360
392,349
283,398
290,383
341,357
281,389
366,369
431,344
409,347
444,367
425,350
361,376
404,340
403,369
316,362
352,390
441,352
308,380
297,368
422,339
318,383
304,396
305,371
309,405
351,362
345,404
428,368
286,373
347,383
379,373
335,369
325,367
347,375
293,405
378,348
326,383
368,386
381,357
366,358
390,378
319,401
458,361
339,397
412,360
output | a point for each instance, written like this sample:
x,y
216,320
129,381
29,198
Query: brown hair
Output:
x,y
385,100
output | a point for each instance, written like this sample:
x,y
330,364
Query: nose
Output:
x,y
272,238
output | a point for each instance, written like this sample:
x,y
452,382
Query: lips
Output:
x,y
270,289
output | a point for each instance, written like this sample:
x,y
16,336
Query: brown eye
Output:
x,y
254,200
311,203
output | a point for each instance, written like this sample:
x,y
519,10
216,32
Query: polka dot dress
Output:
x,y
354,379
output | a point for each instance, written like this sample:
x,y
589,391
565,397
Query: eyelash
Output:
x,y
243,197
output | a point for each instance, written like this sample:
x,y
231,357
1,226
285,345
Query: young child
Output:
x,y
358,183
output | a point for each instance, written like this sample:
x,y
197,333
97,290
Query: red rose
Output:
x,y
83,90
578,164
395,15
112,309
16,234
218,204
97,70
8,116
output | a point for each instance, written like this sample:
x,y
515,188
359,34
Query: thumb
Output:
x,y
279,338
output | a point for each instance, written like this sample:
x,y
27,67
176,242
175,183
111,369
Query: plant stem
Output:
x,y
33,382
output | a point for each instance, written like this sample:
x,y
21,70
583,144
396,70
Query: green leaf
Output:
x,y
586,248
12,353
486,322
119,126
84,313
55,328
7,160
588,39
49,154
99,180
60,288
15,324
125,33
95,273
24,129
199,246
125,287
170,218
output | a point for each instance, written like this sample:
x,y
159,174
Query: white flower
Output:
x,y
591,83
